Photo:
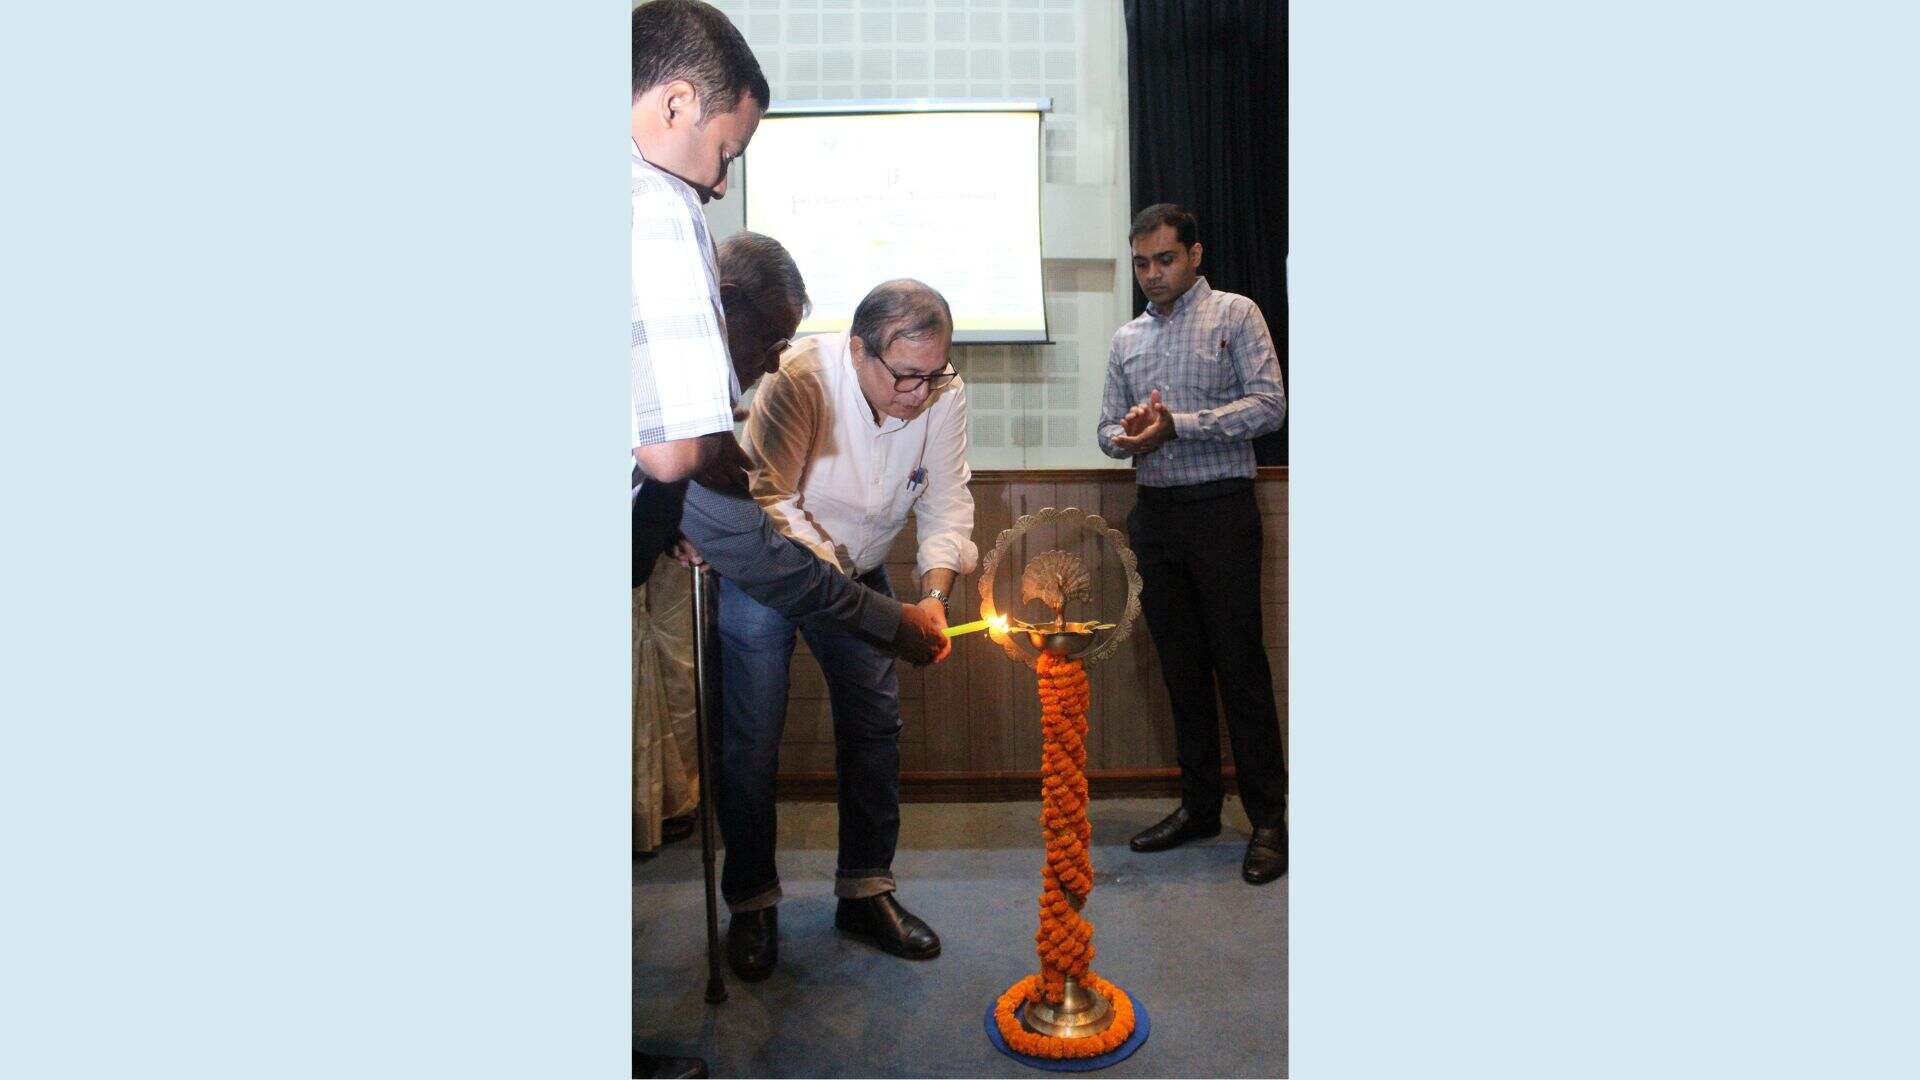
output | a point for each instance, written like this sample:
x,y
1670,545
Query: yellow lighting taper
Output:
x,y
975,626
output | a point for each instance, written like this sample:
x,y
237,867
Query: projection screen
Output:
x,y
945,192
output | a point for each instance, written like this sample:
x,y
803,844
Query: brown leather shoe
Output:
x,y
753,943
1266,855
881,920
1175,829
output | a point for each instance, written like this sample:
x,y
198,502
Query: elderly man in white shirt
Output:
x,y
855,432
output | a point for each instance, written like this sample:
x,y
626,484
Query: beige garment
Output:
x,y
666,772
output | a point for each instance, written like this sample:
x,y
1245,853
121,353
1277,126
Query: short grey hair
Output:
x,y
900,308
763,270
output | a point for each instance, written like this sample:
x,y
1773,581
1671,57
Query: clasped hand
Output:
x,y
1145,426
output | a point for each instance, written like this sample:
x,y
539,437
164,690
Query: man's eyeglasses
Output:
x,y
907,382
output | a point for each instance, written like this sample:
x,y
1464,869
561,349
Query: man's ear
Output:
x,y
679,104
1196,253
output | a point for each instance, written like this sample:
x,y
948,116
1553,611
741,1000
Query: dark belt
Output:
x,y
1213,489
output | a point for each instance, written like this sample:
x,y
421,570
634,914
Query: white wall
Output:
x,y
1032,406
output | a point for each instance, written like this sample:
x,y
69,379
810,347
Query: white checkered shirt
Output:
x,y
683,381
1213,362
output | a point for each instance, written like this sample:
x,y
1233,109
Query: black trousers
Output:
x,y
656,524
1199,553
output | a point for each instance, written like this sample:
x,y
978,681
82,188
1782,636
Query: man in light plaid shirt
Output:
x,y
683,383
1190,384
698,94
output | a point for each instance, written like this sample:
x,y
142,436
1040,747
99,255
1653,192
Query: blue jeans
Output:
x,y
756,647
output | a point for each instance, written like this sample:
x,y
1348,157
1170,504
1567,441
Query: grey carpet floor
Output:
x,y
1203,951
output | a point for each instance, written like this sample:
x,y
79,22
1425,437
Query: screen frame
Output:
x,y
899,106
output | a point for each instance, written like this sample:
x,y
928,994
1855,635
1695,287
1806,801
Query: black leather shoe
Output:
x,y
881,920
753,942
650,1067
1266,855
1175,829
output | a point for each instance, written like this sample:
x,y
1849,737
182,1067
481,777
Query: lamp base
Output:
x,y
1141,1027
1082,1011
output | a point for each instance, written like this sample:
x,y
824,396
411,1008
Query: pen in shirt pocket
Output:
x,y
917,479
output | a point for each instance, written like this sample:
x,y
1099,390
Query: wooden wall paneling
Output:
x,y
995,716
940,723
1102,562
914,751
944,716
1020,683
972,723
943,705
1110,604
1270,492
1109,713
1149,738
984,730
1274,624
1273,559
1110,601
1140,719
1272,497
1277,660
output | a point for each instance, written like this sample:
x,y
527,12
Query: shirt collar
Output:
x,y
640,162
1200,290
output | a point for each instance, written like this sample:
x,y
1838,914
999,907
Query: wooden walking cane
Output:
x,y
705,706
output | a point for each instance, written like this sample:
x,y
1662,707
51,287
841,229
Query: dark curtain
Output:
x,y
1207,120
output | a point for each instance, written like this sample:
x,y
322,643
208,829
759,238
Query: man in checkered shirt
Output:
x,y
698,95
1190,384
700,105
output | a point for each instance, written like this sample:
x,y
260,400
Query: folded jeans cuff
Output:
x,y
862,885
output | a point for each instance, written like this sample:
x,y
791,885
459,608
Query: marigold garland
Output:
x,y
1064,940
1034,1044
